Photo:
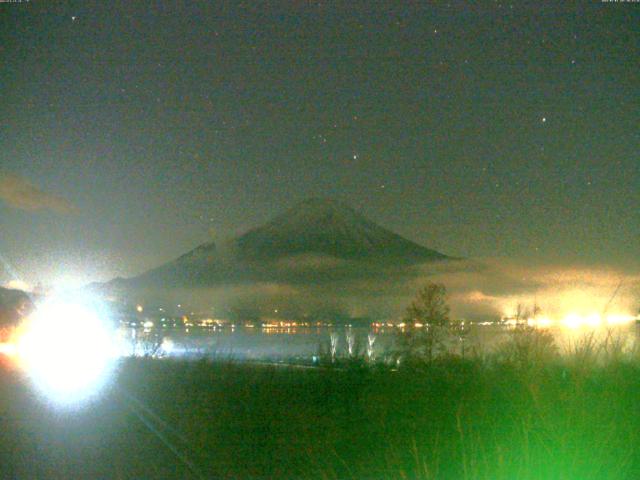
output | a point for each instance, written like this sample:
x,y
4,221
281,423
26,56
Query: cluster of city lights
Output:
x,y
574,321
69,348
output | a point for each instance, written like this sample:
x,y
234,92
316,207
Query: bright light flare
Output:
x,y
540,322
168,347
8,349
67,349
594,320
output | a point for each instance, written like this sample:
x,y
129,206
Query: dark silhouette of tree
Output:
x,y
426,324
429,307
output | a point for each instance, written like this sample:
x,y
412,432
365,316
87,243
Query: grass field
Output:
x,y
479,418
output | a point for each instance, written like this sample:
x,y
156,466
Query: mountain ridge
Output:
x,y
326,226
317,239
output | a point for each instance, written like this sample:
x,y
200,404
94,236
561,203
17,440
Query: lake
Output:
x,y
306,343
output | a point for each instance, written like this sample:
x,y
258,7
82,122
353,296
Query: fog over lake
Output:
x,y
305,343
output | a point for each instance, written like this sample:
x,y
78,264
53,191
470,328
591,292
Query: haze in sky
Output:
x,y
132,132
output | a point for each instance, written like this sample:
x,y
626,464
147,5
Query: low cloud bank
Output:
x,y
485,289
497,286
20,193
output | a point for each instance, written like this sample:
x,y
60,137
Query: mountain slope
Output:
x,y
316,240
322,226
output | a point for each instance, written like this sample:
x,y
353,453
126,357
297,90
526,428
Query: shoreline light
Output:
x,y
67,349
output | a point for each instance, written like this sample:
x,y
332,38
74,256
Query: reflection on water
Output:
x,y
308,342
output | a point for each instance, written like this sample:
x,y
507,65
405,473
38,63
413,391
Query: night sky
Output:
x,y
130,132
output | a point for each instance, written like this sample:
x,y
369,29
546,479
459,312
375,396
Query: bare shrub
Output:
x,y
528,345
427,324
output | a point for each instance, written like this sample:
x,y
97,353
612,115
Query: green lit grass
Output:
x,y
491,418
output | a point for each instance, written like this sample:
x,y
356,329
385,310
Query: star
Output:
x,y
544,119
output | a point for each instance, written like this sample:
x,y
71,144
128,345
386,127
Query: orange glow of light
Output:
x,y
66,349
8,349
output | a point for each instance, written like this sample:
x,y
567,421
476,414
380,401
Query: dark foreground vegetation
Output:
x,y
451,418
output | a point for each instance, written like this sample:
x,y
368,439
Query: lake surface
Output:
x,y
308,343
